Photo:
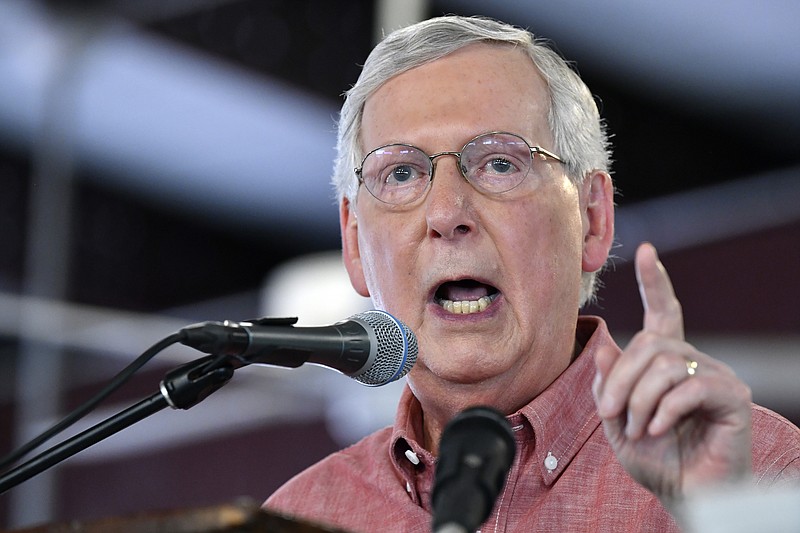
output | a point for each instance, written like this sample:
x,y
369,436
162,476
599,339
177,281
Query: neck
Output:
x,y
441,400
452,398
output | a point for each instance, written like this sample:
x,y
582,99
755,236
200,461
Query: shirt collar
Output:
x,y
562,417
408,432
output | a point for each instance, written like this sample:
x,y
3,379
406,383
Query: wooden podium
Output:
x,y
244,517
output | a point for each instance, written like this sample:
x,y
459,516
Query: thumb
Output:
x,y
604,359
614,426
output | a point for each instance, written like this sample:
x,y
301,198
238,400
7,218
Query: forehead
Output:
x,y
479,88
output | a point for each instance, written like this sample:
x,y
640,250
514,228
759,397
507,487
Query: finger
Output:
x,y
665,371
662,310
714,389
725,401
628,369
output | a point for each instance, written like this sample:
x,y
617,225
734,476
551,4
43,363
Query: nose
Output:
x,y
449,208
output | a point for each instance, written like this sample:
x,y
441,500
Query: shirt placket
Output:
x,y
417,469
498,520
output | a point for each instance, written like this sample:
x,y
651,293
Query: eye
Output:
x,y
500,165
496,158
400,174
498,170
399,180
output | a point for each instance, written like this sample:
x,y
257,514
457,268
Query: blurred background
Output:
x,y
165,162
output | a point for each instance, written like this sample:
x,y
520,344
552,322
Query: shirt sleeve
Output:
x,y
776,449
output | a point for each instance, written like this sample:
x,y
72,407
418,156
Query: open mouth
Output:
x,y
465,296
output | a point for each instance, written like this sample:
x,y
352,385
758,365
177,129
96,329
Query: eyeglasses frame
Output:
x,y
535,149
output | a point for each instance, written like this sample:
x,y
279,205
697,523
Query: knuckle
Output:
x,y
642,340
637,402
674,307
663,362
725,369
669,406
744,392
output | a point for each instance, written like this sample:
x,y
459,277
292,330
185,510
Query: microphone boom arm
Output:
x,y
181,388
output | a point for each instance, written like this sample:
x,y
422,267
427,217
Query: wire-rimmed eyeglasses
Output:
x,y
493,163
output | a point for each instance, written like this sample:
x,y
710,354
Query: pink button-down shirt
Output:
x,y
565,476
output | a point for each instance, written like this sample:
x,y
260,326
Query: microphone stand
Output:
x,y
181,388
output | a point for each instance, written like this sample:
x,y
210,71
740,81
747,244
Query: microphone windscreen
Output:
x,y
396,347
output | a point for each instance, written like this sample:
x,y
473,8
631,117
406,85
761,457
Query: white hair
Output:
x,y
579,133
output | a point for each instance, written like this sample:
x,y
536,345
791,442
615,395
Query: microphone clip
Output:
x,y
189,384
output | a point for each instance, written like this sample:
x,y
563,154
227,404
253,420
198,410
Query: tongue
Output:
x,y
463,291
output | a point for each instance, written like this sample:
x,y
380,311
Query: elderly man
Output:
x,y
477,207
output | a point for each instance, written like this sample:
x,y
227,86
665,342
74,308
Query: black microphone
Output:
x,y
373,347
475,455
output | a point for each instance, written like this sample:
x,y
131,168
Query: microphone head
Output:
x,y
394,346
476,451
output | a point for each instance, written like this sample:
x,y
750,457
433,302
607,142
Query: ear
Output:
x,y
351,254
597,201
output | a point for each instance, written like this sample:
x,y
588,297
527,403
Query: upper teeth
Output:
x,y
466,307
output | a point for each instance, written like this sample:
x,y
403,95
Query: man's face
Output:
x,y
521,252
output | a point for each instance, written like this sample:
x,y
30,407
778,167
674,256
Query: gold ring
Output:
x,y
691,367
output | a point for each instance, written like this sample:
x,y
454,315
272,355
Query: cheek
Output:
x,y
370,256
386,266
549,249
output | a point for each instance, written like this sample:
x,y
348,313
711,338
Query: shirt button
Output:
x,y
550,462
412,457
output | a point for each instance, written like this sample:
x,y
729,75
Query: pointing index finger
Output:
x,y
662,310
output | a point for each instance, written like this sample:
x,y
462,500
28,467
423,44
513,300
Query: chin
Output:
x,y
464,369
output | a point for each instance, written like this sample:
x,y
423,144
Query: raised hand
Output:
x,y
677,419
